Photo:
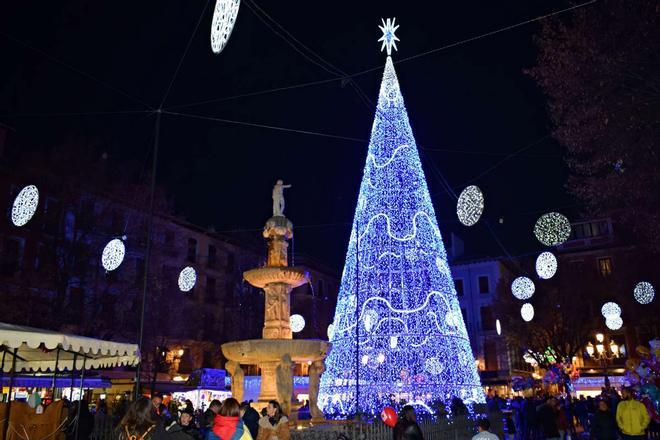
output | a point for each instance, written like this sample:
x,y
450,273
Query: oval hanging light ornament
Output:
x,y
224,18
331,331
614,322
610,310
644,292
187,279
546,265
498,327
527,312
552,229
25,205
523,288
297,323
470,205
113,254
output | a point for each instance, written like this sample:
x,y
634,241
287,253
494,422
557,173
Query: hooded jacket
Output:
x,y
228,428
632,417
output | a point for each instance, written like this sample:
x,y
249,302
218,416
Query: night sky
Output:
x,y
470,106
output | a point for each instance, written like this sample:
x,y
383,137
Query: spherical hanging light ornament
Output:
x,y
527,312
644,292
297,323
523,288
224,18
113,254
546,265
610,310
552,229
25,205
614,322
187,279
470,205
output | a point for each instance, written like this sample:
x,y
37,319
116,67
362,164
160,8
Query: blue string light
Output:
x,y
398,326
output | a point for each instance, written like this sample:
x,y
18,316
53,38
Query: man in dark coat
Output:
x,y
185,429
547,419
209,414
250,418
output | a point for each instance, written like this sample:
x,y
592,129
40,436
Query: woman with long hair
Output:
x,y
228,425
274,425
406,427
139,423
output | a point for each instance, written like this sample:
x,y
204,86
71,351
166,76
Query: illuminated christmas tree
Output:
x,y
398,330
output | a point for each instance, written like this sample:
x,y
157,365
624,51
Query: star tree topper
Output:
x,y
389,39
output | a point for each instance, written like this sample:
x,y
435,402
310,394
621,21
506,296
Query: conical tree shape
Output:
x,y
396,286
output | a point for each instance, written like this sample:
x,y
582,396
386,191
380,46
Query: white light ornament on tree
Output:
x,y
523,288
470,205
644,292
552,229
25,205
297,323
113,254
224,18
546,265
610,310
614,322
187,279
527,312
331,331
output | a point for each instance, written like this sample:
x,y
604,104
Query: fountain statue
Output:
x,y
277,352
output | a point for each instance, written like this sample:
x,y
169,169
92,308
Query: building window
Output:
x,y
459,287
484,286
12,255
192,250
210,290
490,356
487,321
212,257
231,262
605,266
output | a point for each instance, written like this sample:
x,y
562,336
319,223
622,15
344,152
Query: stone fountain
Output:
x,y
277,352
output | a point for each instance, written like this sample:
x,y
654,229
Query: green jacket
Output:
x,y
632,417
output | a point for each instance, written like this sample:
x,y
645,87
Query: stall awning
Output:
x,y
41,350
60,382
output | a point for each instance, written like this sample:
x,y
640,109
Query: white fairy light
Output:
x,y
25,205
224,18
610,310
433,365
546,265
187,279
527,312
498,327
365,359
614,322
113,254
394,341
644,292
370,319
380,358
522,288
297,323
552,229
331,331
470,205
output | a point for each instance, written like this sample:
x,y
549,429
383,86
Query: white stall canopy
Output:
x,y
47,350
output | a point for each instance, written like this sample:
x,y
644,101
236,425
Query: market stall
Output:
x,y
37,351
204,385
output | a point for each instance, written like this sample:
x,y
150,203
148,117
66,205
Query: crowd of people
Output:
x,y
609,416
150,419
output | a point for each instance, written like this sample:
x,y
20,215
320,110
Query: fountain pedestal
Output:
x,y
277,352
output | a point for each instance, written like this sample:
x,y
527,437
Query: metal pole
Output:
x,y
73,370
80,400
11,386
147,254
57,361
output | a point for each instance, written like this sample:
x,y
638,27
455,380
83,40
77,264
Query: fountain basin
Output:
x,y
258,351
263,276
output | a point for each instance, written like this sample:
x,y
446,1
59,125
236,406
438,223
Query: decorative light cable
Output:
x,y
113,254
552,229
546,265
25,205
644,292
470,205
399,287
224,18
187,279
297,323
523,288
